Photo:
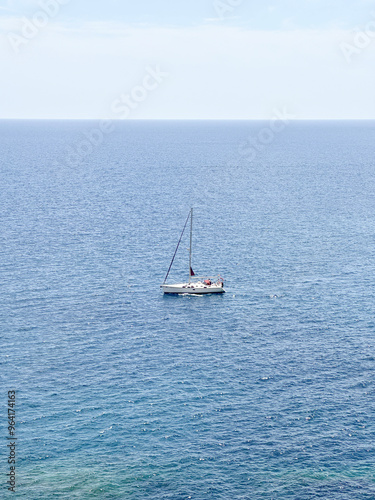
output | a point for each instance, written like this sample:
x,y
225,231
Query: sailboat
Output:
x,y
196,285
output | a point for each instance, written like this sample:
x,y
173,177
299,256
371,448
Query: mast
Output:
x,y
191,242
178,244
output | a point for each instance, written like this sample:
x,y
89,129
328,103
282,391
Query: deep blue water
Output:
x,y
266,392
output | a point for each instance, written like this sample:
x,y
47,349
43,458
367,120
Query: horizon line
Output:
x,y
183,119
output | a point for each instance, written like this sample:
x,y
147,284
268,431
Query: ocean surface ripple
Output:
x,y
266,392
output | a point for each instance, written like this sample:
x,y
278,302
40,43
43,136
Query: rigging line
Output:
x,y
178,244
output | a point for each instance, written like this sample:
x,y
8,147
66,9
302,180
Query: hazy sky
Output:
x,y
196,59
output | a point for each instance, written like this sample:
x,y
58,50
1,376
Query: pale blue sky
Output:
x,y
257,57
252,14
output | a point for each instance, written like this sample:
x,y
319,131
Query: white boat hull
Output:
x,y
198,288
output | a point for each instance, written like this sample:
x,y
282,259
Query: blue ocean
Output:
x,y
264,392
